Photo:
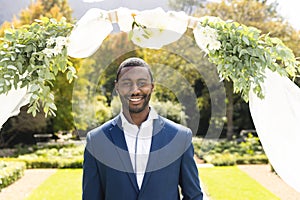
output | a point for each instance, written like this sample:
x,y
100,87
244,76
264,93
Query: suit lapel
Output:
x,y
119,141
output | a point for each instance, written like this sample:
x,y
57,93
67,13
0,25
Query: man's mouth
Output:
x,y
135,98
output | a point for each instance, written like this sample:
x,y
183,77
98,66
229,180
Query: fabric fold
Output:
x,y
276,118
89,33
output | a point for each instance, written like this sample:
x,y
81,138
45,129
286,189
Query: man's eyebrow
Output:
x,y
142,79
125,79
128,79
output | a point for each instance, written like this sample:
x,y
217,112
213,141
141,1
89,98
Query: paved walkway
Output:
x,y
268,179
23,187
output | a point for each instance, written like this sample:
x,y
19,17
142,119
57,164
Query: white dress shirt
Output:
x,y
138,142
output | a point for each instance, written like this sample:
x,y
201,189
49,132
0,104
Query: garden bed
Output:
x,y
10,172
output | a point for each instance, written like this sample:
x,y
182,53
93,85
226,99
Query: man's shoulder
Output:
x,y
173,125
104,128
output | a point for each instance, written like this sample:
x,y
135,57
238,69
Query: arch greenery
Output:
x,y
32,56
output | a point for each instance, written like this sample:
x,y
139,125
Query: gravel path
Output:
x,y
263,175
23,187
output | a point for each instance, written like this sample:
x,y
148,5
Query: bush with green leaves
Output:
x,y
10,172
224,152
54,157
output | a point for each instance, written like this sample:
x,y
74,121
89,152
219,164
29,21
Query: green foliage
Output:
x,y
69,156
232,152
31,57
225,159
171,110
10,172
245,54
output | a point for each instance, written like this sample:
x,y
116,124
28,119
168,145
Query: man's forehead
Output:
x,y
134,72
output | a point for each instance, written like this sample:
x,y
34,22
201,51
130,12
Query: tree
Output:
x,y
188,6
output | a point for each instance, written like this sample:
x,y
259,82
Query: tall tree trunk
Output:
x,y
229,111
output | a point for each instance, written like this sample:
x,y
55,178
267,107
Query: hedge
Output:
x,y
10,172
33,163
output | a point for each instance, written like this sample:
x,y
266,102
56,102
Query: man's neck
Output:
x,y
136,118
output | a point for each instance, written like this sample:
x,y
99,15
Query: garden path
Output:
x,y
268,179
23,187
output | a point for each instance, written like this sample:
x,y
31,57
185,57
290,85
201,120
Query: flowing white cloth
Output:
x,y
11,103
89,33
277,122
159,28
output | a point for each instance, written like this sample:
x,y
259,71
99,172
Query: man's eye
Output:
x,y
141,84
126,84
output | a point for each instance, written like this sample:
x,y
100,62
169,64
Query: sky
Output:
x,y
289,9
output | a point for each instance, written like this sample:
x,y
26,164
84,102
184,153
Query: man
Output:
x,y
139,155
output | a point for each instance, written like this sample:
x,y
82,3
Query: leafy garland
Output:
x,y
31,57
243,55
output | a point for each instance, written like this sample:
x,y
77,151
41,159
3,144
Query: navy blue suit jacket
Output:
x,y
108,172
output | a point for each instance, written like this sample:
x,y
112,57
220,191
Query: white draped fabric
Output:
x,y
11,103
89,33
161,28
277,122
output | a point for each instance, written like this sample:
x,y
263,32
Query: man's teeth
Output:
x,y
135,99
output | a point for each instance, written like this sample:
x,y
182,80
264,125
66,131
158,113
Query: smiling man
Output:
x,y
139,155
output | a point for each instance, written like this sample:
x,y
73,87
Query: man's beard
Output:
x,y
125,104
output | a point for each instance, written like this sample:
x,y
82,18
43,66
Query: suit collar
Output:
x,y
118,139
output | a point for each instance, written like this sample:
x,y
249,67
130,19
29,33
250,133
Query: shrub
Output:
x,y
54,157
218,159
225,152
10,172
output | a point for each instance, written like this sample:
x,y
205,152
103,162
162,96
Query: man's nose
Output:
x,y
135,88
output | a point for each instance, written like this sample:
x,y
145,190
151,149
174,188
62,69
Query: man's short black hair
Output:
x,y
134,62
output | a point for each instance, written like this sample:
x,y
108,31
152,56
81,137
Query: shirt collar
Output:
x,y
152,115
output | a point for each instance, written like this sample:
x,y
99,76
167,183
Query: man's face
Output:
x,y
134,87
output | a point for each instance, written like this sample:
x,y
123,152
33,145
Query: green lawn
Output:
x,y
230,183
65,184
222,183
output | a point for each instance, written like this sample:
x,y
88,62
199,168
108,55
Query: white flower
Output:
x,y
48,52
57,50
61,41
212,19
207,38
50,41
214,45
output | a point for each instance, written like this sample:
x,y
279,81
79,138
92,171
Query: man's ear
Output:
x,y
116,87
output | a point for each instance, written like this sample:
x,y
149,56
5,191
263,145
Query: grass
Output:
x,y
64,184
221,183
230,183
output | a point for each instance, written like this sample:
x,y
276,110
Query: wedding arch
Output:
x,y
257,64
